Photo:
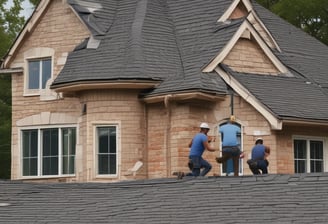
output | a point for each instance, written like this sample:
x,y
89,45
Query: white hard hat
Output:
x,y
204,125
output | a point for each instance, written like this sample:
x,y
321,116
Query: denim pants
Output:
x,y
261,165
232,152
199,163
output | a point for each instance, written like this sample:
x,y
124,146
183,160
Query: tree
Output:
x,y
11,24
311,16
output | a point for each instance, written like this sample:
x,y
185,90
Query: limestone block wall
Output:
x,y
285,152
247,56
52,32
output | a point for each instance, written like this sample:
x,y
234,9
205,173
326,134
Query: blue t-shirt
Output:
x,y
258,152
197,147
229,132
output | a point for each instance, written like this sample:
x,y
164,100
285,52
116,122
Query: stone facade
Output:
x,y
157,134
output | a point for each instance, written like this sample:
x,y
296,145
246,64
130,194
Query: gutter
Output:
x,y
11,70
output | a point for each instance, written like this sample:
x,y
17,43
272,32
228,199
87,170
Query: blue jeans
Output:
x,y
261,165
199,163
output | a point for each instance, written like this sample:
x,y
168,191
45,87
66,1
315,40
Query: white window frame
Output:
x,y
117,125
308,139
39,153
36,54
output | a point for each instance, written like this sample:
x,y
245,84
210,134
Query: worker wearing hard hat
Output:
x,y
200,143
258,163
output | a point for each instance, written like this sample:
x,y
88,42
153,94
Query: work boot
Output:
x,y
179,175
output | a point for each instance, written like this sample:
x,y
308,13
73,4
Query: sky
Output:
x,y
27,8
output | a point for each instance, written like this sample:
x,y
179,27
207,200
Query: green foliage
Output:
x,y
10,25
34,2
5,126
309,15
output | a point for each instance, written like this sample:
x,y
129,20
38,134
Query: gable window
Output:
x,y
48,151
106,150
308,156
39,72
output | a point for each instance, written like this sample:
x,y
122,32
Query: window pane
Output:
x,y
50,165
300,149
68,145
316,156
103,135
300,166
112,147
46,72
112,163
30,167
30,152
33,74
50,151
103,164
300,156
50,142
107,150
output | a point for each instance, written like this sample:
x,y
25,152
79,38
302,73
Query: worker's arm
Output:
x,y
208,147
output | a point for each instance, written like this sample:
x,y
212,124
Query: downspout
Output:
x,y
167,133
231,102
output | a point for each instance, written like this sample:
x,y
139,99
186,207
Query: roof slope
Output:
x,y
171,41
154,40
300,52
287,97
298,198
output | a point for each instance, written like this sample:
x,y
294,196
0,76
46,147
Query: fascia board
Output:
x,y
28,27
275,123
246,25
254,16
79,18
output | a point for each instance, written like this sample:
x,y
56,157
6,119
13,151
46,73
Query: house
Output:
x,y
273,198
114,90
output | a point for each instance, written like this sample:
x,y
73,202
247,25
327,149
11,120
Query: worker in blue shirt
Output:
x,y
230,145
258,163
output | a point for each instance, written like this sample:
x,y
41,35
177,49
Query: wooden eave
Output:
x,y
11,71
185,96
89,85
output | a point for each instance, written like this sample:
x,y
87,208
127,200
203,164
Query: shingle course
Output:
x,y
269,198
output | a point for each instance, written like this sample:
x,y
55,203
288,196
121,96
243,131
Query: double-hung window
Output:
x,y
106,150
48,151
39,72
308,156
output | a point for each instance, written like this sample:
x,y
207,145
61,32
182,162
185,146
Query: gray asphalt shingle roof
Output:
x,y
298,198
170,42
287,97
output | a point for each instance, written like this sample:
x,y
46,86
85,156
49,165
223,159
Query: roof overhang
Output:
x,y
304,122
117,84
273,120
184,96
11,70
